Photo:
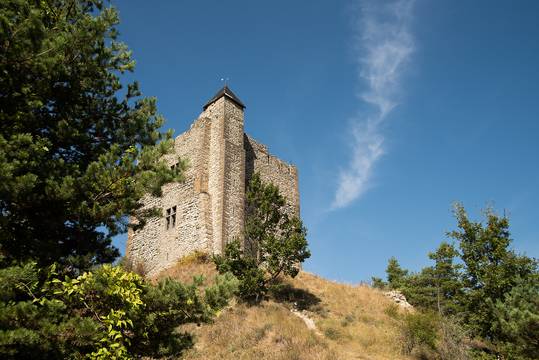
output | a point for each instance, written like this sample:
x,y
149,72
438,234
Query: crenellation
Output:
x,y
210,203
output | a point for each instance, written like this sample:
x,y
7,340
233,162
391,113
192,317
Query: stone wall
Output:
x,y
157,247
234,184
216,171
272,170
226,168
210,203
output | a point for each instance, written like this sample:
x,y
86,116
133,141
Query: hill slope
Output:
x,y
350,322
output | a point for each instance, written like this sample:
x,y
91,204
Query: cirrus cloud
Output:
x,y
384,46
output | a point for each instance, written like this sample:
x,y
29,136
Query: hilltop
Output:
x,y
350,322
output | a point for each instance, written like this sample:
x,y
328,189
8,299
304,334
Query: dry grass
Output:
x,y
268,331
198,263
354,322
354,318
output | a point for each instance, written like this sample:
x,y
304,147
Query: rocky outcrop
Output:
x,y
399,299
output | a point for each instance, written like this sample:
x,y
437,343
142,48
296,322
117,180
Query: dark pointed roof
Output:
x,y
225,91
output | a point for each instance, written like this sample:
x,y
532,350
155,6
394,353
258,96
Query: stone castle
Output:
x,y
207,210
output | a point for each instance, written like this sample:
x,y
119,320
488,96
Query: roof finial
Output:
x,y
225,91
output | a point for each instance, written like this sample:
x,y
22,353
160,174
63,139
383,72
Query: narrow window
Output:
x,y
168,218
173,216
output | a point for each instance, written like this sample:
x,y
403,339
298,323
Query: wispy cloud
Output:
x,y
384,46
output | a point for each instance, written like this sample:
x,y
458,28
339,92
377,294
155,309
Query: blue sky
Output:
x,y
391,110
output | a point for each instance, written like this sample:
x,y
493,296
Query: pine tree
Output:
x,y
517,320
445,276
420,289
396,275
77,149
491,270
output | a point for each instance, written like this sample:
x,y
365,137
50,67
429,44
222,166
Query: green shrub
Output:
x,y
251,287
492,289
419,330
225,287
34,324
378,283
103,314
260,332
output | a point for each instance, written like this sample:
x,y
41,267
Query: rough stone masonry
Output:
x,y
207,210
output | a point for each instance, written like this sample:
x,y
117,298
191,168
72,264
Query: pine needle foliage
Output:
x,y
78,147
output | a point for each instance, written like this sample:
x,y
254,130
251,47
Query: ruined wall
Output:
x,y
157,247
272,170
143,245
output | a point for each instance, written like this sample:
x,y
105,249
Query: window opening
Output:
x,y
170,217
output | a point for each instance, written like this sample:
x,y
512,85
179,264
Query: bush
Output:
x,y
251,287
378,283
477,354
103,314
225,287
419,330
348,319
32,324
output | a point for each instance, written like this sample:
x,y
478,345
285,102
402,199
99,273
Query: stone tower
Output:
x,y
207,210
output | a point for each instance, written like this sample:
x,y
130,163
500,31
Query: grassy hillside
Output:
x,y
352,322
